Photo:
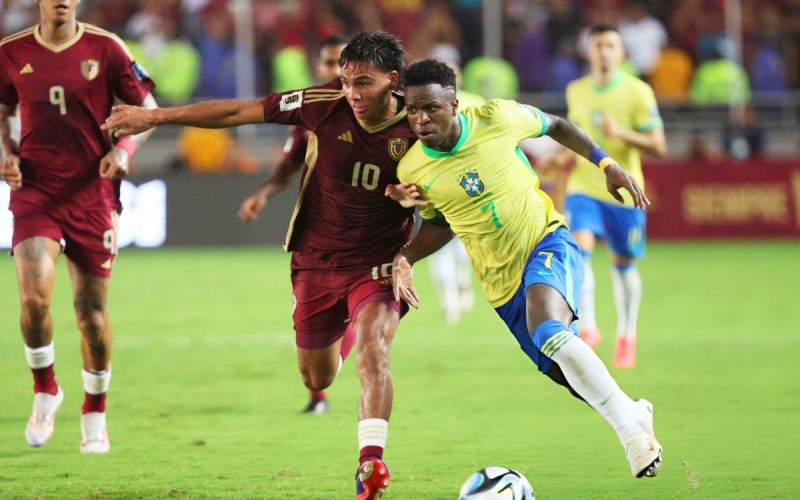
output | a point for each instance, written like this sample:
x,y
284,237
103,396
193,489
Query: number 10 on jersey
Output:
x,y
368,177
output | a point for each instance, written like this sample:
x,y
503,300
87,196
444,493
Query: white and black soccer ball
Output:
x,y
496,483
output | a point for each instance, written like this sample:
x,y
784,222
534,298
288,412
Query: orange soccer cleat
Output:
x,y
625,352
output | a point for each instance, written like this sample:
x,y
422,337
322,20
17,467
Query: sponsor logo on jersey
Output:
x,y
472,184
90,69
139,71
26,70
346,137
292,101
398,148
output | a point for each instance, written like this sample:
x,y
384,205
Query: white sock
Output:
x,y
445,275
96,382
41,357
464,265
372,432
588,376
627,287
588,321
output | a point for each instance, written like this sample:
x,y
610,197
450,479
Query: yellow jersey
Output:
x,y
487,191
632,103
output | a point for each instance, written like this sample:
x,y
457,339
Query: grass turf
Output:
x,y
205,397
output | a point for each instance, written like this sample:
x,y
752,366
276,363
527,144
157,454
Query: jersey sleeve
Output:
x,y
646,116
306,107
8,93
129,79
526,121
296,146
430,214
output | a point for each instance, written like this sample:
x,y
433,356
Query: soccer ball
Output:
x,y
496,483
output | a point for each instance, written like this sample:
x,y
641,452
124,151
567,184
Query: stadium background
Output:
x,y
205,394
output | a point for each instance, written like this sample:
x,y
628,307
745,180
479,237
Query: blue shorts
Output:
x,y
622,227
556,261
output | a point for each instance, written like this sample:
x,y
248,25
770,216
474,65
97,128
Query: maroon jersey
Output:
x,y
65,93
296,145
342,218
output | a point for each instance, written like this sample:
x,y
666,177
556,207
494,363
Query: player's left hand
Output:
x,y
114,165
405,194
128,120
609,126
617,179
402,281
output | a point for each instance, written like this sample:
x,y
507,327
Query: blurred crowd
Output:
x,y
679,46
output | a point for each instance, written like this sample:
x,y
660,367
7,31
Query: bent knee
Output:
x,y
318,381
35,305
91,324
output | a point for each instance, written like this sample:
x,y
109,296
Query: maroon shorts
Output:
x,y
326,301
90,237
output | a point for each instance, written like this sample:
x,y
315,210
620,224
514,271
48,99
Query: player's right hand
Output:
x,y
252,206
10,172
617,178
405,194
402,281
129,120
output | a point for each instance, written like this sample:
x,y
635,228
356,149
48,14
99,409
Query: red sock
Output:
x,y
94,403
318,395
44,380
369,452
348,341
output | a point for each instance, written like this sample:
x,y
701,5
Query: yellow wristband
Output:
x,y
606,162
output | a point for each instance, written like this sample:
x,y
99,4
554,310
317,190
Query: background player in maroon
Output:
x,y
64,175
293,160
344,230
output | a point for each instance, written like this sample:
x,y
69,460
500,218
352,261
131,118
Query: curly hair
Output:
x,y
430,71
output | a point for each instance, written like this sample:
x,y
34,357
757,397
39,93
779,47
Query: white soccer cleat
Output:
x,y
94,435
644,455
644,451
43,418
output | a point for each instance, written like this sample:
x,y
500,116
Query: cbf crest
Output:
x,y
90,69
472,184
398,148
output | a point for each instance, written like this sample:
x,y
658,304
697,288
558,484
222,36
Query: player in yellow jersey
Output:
x,y
619,111
470,179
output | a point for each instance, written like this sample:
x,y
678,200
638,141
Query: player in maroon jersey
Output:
x,y
64,175
293,160
344,230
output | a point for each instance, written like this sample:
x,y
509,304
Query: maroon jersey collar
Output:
x,y
58,48
401,115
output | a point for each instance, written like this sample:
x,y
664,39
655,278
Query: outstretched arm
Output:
x,y
431,237
569,135
130,120
115,164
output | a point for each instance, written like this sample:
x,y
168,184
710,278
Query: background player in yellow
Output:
x,y
468,176
450,267
618,111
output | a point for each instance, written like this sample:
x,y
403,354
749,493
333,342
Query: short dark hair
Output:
x,y
378,48
602,28
430,71
334,41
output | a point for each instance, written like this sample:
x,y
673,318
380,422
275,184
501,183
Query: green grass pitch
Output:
x,y
205,397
